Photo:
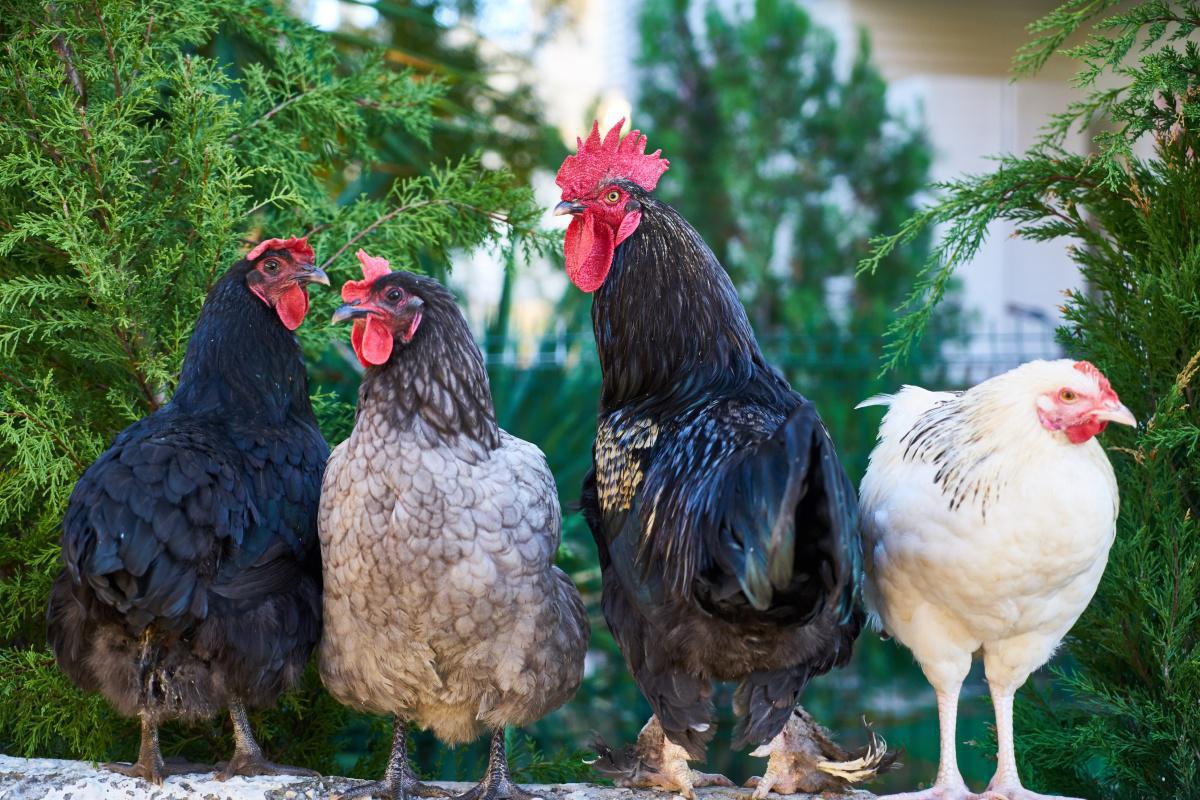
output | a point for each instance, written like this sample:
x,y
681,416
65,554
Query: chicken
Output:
x,y
192,573
987,517
438,530
726,529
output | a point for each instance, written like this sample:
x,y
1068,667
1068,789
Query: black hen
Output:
x,y
192,568
726,526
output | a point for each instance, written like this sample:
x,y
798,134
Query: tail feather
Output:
x,y
789,494
876,400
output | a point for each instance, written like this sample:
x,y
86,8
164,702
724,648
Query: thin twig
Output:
x,y
112,57
63,48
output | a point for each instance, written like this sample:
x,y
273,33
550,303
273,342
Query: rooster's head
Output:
x,y
599,184
384,308
280,272
1078,400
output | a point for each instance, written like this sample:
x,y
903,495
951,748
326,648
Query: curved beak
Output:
x,y
350,311
1117,413
313,274
569,207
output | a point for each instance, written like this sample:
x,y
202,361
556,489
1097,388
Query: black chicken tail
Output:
x,y
790,526
764,701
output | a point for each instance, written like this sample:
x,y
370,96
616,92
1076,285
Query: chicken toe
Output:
x,y
654,762
248,759
150,765
803,758
497,784
399,781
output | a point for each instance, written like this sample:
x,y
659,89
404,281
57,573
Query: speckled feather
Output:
x,y
439,531
191,566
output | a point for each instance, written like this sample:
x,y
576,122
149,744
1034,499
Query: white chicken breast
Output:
x,y
987,519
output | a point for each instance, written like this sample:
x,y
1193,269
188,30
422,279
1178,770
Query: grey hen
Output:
x,y
438,531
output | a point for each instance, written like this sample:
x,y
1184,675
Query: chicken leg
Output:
x,y
150,765
248,759
399,781
804,758
496,783
949,784
1006,783
654,762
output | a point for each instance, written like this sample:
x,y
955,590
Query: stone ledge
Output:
x,y
52,779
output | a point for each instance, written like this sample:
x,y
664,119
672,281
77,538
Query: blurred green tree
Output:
x,y
136,162
1120,718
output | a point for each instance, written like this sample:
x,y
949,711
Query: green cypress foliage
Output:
x,y
137,161
1122,717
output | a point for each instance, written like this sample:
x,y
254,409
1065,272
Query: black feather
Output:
x,y
177,592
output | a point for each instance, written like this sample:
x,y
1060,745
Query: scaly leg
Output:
x,y
804,758
248,757
150,766
949,784
1006,783
654,762
496,783
399,781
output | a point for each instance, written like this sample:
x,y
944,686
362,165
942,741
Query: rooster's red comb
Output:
x,y
373,268
299,247
615,157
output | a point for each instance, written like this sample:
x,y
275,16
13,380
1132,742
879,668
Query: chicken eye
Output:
x,y
613,196
394,296
1068,396
271,265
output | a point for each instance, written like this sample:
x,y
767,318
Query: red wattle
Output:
x,y
589,252
292,306
372,342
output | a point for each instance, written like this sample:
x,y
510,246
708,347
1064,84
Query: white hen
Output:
x,y
987,518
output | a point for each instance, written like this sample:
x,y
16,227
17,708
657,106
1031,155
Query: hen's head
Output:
x,y
280,271
1076,399
599,184
385,308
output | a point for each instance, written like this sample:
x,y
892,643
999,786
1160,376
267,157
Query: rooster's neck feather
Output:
x,y
668,322
241,361
438,379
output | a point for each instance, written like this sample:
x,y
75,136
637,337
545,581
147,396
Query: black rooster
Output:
x,y
192,568
725,524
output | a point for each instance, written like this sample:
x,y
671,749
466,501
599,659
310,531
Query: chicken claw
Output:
x,y
497,784
248,759
1018,792
803,758
655,762
150,766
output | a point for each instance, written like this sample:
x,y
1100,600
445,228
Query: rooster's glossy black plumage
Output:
x,y
726,526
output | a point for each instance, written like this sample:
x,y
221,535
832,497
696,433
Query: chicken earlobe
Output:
x,y
248,759
497,784
654,762
804,758
399,781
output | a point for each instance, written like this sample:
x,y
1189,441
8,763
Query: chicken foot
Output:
x,y
496,783
654,762
399,781
150,765
248,759
804,758
949,784
1006,784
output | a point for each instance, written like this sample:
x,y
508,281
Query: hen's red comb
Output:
x,y
1089,369
614,157
299,247
373,268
